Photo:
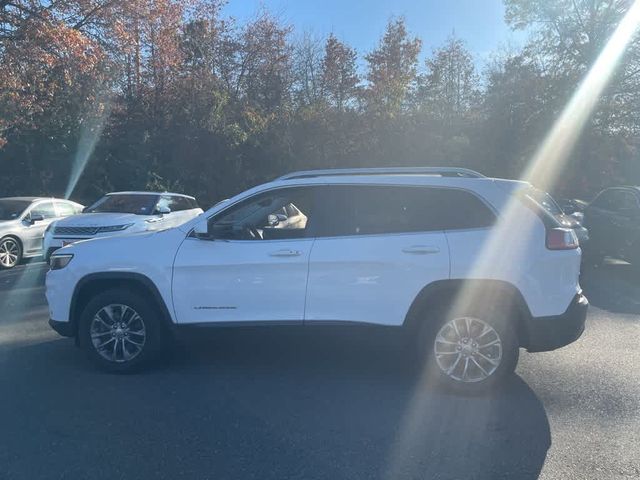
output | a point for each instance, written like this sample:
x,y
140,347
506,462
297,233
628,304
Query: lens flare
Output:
x,y
552,156
89,135
507,244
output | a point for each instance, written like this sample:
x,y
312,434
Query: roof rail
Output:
x,y
435,171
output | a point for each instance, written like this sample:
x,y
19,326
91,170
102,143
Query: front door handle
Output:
x,y
421,249
286,253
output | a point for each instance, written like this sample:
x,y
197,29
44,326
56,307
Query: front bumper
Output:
x,y
549,333
66,329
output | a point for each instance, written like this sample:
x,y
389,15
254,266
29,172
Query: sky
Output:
x,y
361,23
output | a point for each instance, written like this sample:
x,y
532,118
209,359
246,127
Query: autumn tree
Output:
x,y
392,69
450,89
307,71
339,75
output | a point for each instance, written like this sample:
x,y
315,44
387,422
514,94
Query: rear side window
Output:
x,y
45,209
65,209
369,210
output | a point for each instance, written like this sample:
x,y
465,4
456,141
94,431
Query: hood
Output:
x,y
100,219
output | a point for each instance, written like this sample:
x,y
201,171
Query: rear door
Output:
x,y
376,247
598,219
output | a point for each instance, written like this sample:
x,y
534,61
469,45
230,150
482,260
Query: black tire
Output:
x,y
437,324
126,340
10,252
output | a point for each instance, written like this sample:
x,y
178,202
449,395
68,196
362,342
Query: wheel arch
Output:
x,y
91,284
15,237
445,292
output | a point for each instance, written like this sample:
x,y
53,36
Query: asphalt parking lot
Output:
x,y
314,404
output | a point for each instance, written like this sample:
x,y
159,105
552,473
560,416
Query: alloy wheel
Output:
x,y
118,333
468,349
9,253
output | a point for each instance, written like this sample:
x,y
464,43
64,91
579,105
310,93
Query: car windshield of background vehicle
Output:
x,y
137,204
12,209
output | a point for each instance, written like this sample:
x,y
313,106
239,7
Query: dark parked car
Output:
x,y
613,220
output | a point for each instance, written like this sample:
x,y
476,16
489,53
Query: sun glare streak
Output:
x,y
507,243
89,136
552,156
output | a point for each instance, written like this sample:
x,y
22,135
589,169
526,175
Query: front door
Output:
x,y
36,221
254,266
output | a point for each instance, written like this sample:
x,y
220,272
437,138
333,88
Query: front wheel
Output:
x,y
469,352
10,252
120,331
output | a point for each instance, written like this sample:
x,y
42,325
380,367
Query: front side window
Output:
x,y
274,215
369,210
606,200
139,204
625,202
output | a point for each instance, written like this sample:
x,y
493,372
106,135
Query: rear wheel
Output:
x,y
469,352
120,331
10,252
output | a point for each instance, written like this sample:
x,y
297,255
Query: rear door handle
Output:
x,y
286,253
421,249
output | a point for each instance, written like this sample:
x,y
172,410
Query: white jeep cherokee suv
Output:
x,y
120,213
471,266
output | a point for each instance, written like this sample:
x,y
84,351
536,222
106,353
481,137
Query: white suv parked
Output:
x,y
471,266
121,213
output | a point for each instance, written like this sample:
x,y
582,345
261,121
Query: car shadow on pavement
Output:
x,y
360,408
263,403
613,286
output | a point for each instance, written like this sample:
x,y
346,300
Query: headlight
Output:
x,y
56,262
49,227
114,228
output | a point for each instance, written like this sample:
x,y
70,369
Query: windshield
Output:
x,y
12,209
137,204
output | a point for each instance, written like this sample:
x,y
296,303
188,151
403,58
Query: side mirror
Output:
x,y
201,229
34,217
163,210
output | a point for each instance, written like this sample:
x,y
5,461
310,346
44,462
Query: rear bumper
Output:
x,y
66,329
549,333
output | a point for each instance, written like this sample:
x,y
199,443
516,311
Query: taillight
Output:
x,y
561,239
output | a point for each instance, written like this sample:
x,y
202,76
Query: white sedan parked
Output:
x,y
121,213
